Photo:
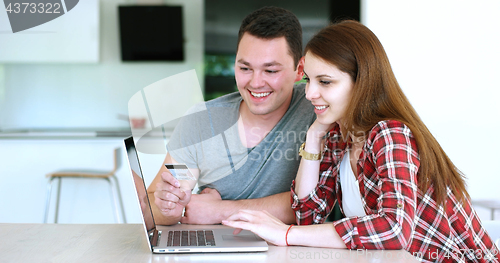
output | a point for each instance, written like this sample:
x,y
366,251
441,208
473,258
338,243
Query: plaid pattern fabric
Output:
x,y
398,215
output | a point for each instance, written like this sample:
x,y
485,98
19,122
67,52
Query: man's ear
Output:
x,y
300,69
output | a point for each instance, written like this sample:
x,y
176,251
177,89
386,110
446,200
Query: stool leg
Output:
x,y
117,185
47,200
113,197
59,182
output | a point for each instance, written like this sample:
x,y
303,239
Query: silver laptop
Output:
x,y
182,238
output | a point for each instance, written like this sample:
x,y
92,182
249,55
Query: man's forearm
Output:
x,y
278,205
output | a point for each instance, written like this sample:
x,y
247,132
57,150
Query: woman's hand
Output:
x,y
274,231
318,130
308,174
262,223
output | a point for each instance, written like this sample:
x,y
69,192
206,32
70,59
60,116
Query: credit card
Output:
x,y
180,171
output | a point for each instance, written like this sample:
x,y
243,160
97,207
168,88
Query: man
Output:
x,y
243,146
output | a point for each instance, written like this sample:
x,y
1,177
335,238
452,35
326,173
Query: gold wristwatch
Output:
x,y
309,156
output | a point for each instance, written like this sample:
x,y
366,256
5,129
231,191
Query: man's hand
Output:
x,y
204,208
170,198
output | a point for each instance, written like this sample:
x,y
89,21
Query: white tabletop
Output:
x,y
127,243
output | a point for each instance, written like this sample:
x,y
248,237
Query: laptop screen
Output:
x,y
140,186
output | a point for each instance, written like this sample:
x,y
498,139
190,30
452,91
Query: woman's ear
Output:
x,y
300,69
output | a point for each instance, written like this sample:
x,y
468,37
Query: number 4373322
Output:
x,y
46,8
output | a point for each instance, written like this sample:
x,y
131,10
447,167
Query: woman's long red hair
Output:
x,y
377,96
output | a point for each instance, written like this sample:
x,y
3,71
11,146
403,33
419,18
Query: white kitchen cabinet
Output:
x,y
70,38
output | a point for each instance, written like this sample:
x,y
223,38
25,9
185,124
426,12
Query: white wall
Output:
x,y
58,95
445,56
73,37
91,95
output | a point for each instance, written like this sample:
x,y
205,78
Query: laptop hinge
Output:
x,y
154,237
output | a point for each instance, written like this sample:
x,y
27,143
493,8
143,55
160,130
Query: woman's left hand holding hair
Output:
x,y
317,131
262,223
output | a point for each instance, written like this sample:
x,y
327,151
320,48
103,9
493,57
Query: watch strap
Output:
x,y
309,156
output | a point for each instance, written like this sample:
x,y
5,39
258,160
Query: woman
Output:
x,y
393,181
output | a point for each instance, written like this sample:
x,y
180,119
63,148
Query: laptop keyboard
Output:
x,y
195,238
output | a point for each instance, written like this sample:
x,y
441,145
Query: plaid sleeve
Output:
x,y
315,208
390,169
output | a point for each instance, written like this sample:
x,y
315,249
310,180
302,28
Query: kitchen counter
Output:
x,y
76,133
64,133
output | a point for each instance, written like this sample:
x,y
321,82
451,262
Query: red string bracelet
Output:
x,y
286,236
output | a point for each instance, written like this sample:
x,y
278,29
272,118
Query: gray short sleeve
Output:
x,y
208,139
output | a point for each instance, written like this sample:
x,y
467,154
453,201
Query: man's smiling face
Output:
x,y
265,74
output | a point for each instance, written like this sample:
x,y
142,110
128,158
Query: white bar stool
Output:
x,y
109,176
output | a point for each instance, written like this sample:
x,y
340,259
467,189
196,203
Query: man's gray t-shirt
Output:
x,y
207,138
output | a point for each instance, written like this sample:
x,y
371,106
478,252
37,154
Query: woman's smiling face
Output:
x,y
328,88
